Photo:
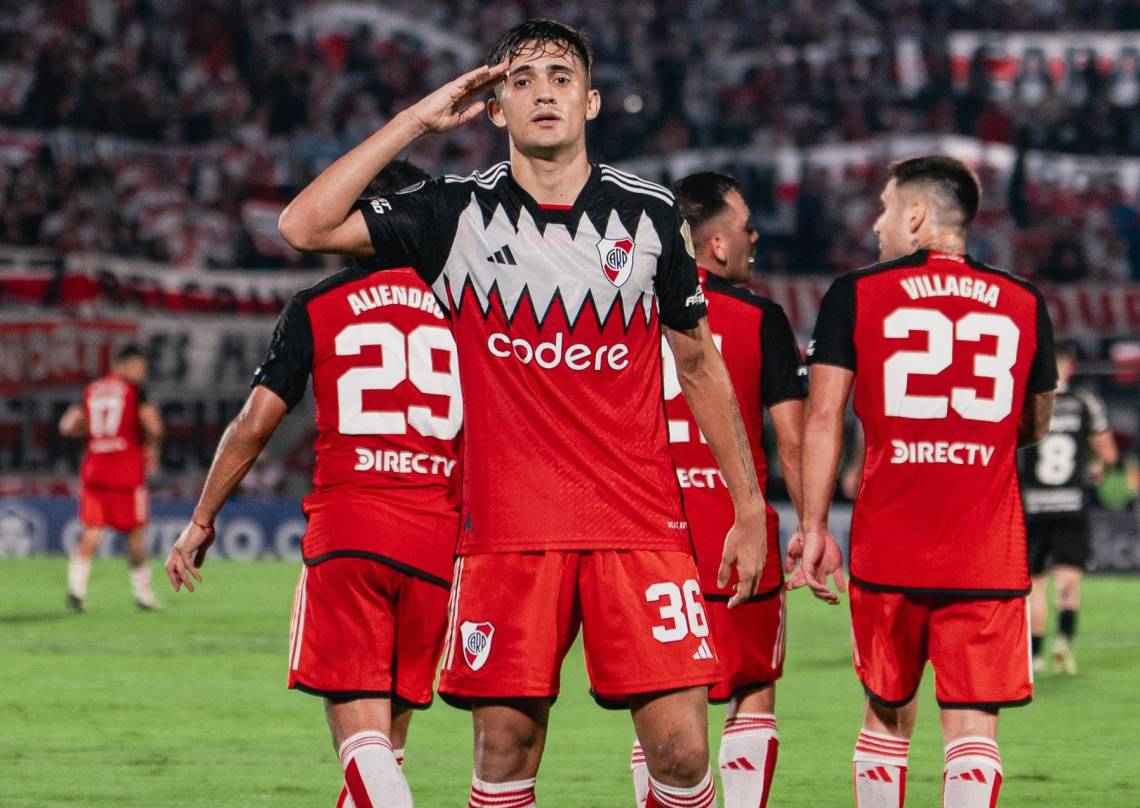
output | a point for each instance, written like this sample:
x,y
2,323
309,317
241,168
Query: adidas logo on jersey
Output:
x,y
703,650
503,256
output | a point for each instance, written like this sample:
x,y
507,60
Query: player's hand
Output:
x,y
458,101
745,547
819,556
188,554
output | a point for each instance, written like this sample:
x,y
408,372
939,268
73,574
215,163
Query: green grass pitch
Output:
x,y
188,708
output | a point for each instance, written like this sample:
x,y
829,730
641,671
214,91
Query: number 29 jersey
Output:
x,y
945,351
386,482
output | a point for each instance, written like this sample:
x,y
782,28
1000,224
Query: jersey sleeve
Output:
x,y
833,341
1097,413
141,393
782,375
680,298
1043,373
289,359
414,227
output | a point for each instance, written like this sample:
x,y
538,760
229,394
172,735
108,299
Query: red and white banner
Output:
x,y
37,354
1060,54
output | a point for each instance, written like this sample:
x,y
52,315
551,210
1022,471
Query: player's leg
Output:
x,y
1037,540
79,567
361,730
980,652
139,570
889,649
647,605
749,747
401,722
513,617
972,776
1067,590
509,739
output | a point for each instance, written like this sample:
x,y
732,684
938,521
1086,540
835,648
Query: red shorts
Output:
x,y
514,617
110,507
363,629
750,642
979,648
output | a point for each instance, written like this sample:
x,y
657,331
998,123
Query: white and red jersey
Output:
x,y
389,413
556,313
114,457
945,351
763,360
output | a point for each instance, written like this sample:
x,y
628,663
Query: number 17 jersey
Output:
x,y
945,351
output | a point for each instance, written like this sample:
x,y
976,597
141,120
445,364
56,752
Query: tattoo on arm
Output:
x,y
745,451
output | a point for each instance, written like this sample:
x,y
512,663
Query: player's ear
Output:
x,y
719,248
916,214
593,104
495,111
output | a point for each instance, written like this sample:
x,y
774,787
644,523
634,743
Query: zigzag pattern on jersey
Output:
x,y
555,262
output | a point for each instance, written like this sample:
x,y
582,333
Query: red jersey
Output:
x,y
763,359
114,457
556,313
945,351
389,413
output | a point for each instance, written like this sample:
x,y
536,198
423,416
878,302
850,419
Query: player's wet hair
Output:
x,y
128,352
539,34
701,196
950,182
395,177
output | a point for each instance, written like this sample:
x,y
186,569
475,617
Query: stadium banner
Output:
x,y
1006,57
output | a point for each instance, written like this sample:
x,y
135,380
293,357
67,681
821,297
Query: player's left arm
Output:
x,y
711,397
783,387
73,424
1037,411
153,431
1101,439
1035,418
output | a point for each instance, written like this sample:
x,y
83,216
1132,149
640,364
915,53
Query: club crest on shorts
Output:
x,y
617,259
476,643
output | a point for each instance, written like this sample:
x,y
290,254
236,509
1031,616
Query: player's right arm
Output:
x,y
73,424
1035,417
1037,411
153,430
322,217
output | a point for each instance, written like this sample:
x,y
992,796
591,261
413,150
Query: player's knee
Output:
x,y
681,758
507,753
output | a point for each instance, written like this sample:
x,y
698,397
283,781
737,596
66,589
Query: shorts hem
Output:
x,y
615,701
464,702
736,691
987,594
352,695
399,566
983,705
894,705
591,545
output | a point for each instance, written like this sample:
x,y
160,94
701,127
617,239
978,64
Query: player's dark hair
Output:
x,y
395,177
701,196
539,33
951,181
129,351
1067,348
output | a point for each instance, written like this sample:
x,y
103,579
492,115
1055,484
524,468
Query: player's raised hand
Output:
x,y
458,101
188,554
745,548
819,556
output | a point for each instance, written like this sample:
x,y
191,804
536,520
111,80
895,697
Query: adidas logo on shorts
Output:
x,y
703,651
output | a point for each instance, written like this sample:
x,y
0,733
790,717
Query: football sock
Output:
x,y
702,795
1036,642
78,573
748,750
371,774
972,778
140,584
880,770
518,794
344,800
399,754
640,774
1067,623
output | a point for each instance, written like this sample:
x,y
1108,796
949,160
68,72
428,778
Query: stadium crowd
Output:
x,y
170,130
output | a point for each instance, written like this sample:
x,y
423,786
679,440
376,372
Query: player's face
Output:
x,y
892,228
545,101
1065,366
738,239
133,369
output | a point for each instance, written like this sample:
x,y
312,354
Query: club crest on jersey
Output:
x,y
476,643
617,259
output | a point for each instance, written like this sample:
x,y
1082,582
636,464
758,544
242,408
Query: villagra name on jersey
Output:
x,y
548,355
941,451
951,286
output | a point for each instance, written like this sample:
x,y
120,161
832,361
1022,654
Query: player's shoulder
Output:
x,y
718,286
302,298
624,185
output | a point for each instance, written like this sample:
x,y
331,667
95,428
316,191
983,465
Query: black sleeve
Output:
x,y
414,227
680,298
289,359
1043,374
833,342
142,395
782,374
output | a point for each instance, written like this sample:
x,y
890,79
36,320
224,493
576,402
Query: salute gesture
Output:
x,y
457,102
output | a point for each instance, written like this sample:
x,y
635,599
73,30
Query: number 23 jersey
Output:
x,y
945,351
386,483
